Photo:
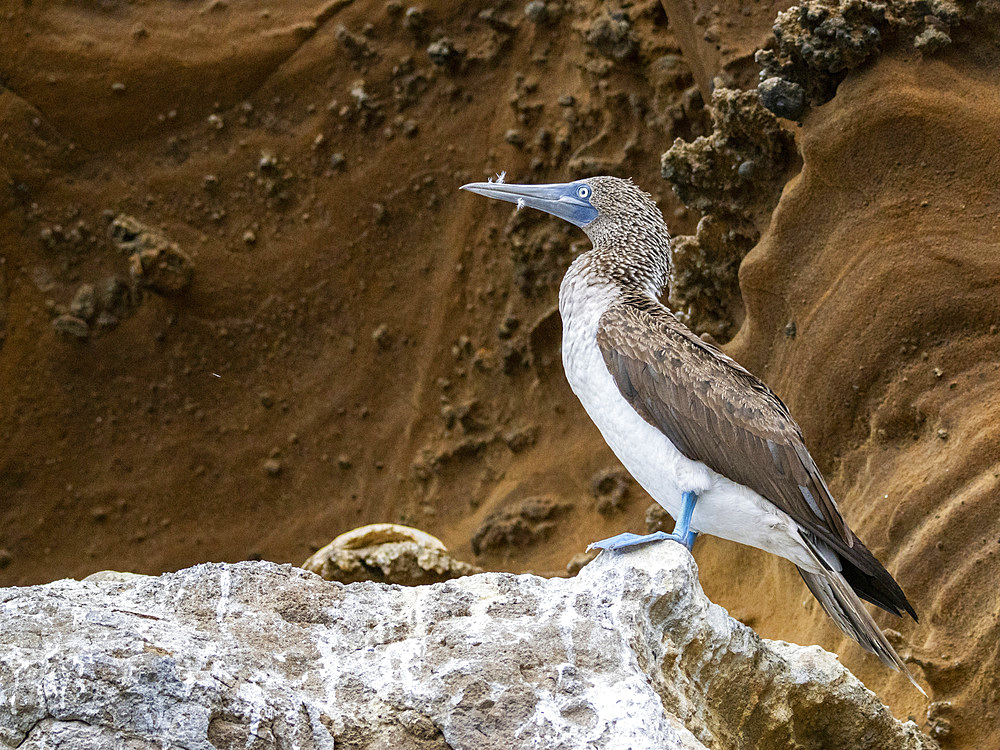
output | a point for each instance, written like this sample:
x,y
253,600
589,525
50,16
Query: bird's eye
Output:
x,y
583,191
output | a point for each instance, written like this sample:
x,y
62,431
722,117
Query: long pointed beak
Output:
x,y
558,199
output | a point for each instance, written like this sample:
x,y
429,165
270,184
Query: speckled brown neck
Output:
x,y
631,241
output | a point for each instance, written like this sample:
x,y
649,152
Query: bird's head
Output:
x,y
631,242
591,203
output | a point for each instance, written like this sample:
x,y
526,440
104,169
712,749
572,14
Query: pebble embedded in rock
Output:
x,y
165,270
521,438
415,19
381,336
783,98
507,328
514,138
84,304
537,12
495,21
71,327
611,35
155,262
445,54
387,553
106,321
357,47
267,162
112,296
930,40
48,237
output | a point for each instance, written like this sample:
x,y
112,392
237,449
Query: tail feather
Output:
x,y
840,601
872,582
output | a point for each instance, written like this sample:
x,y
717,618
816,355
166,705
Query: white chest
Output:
x,y
646,452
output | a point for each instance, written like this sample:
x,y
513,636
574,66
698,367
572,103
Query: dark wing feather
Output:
x,y
716,412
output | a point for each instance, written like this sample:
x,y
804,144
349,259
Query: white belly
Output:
x,y
724,508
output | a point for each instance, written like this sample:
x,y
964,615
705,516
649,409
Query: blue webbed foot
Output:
x,y
682,531
626,540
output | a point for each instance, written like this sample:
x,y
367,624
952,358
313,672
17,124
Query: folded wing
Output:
x,y
716,412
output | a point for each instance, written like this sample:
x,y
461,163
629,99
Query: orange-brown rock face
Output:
x,y
360,343
883,257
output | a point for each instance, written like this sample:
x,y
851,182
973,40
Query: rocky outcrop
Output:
x,y
155,262
629,654
816,43
733,177
387,553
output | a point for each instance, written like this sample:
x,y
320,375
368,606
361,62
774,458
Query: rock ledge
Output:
x,y
629,654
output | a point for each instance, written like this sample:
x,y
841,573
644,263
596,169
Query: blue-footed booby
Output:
x,y
706,439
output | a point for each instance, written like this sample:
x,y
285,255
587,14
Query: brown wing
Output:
x,y
716,412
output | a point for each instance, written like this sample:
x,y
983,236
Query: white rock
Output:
x,y
629,654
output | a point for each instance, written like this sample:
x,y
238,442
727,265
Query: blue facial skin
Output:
x,y
569,201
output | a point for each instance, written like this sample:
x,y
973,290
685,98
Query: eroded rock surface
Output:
x,y
387,553
629,654
155,262
522,523
816,43
733,176
886,267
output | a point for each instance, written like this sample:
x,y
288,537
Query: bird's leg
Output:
x,y
682,531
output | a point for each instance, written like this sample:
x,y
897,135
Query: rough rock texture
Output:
x,y
883,258
387,553
734,169
155,262
704,288
511,528
252,138
719,39
3,301
348,302
733,176
629,654
817,42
